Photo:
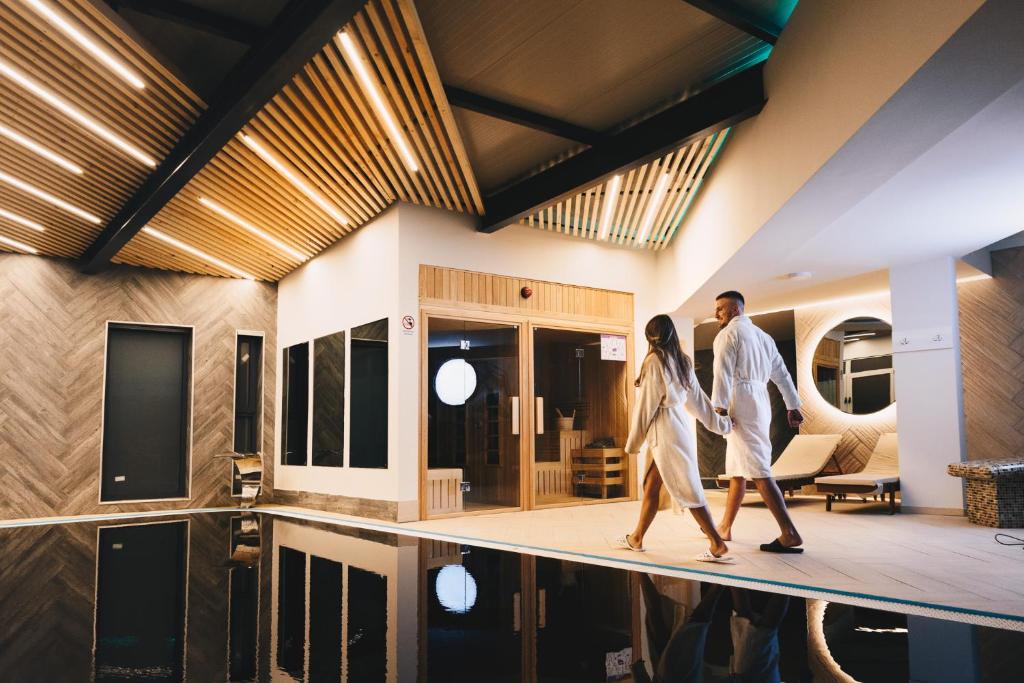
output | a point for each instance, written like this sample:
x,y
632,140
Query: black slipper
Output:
x,y
776,547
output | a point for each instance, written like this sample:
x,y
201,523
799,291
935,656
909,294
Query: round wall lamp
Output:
x,y
455,588
455,382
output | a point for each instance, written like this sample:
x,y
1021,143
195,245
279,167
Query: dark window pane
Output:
x,y
295,404
368,445
329,400
367,625
291,613
869,364
248,389
242,634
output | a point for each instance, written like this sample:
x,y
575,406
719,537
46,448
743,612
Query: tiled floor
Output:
x,y
856,553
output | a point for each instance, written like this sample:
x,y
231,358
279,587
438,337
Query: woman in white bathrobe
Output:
x,y
667,389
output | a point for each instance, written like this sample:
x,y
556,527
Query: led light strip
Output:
x,y
611,198
47,197
652,208
18,245
44,152
355,62
86,43
292,177
21,220
153,232
246,225
74,113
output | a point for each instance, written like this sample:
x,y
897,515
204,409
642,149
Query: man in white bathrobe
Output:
x,y
746,358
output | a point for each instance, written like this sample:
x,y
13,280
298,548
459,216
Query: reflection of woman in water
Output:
x,y
676,646
667,390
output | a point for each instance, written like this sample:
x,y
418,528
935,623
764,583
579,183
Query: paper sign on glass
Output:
x,y
613,347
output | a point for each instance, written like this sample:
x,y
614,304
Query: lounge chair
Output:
x,y
804,459
880,476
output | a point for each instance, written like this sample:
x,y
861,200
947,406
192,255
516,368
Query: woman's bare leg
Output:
x,y
648,506
707,525
737,488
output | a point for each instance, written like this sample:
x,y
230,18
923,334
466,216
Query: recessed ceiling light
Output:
x,y
611,197
21,220
18,245
652,208
35,147
189,249
48,198
355,62
74,113
293,177
800,275
246,225
86,43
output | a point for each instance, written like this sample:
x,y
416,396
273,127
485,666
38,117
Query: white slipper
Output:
x,y
623,542
707,556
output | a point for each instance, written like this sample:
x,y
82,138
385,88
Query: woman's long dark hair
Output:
x,y
664,343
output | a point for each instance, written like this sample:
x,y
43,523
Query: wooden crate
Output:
x,y
599,469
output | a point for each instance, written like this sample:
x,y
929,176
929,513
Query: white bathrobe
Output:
x,y
659,418
745,359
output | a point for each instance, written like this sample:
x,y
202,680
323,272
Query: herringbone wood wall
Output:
x,y
992,353
52,340
860,432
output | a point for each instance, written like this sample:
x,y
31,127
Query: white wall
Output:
x,y
352,283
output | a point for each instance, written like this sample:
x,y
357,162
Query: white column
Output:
x,y
929,384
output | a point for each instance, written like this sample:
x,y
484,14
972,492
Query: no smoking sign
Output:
x,y
408,324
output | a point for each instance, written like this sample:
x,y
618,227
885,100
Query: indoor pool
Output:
x,y
232,596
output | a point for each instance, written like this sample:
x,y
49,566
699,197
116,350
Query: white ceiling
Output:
x,y
938,171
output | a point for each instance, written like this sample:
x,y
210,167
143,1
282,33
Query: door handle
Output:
x,y
540,415
515,415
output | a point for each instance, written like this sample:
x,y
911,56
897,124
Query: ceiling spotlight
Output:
x,y
611,197
800,275
21,220
246,225
35,147
18,245
47,197
355,62
86,43
293,177
74,113
652,208
189,249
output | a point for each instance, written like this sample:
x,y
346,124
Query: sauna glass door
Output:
x,y
473,416
580,416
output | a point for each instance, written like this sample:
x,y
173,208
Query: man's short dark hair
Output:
x,y
731,294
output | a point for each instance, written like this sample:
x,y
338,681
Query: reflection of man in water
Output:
x,y
676,645
755,638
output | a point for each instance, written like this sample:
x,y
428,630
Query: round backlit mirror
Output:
x,y
852,366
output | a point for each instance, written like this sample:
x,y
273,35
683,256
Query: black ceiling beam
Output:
x,y
194,17
481,104
738,16
720,106
305,27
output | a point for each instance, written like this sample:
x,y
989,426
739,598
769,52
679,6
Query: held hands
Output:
x,y
795,418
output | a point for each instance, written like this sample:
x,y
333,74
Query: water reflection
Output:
x,y
228,597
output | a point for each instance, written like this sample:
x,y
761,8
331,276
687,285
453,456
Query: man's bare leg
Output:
x,y
773,498
648,507
737,488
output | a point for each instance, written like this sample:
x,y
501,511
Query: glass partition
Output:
x,y
473,416
368,433
295,404
329,400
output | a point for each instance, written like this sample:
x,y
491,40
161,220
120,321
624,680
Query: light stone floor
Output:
x,y
931,565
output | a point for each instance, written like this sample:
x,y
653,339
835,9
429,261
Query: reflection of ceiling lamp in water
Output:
x,y
456,588
455,382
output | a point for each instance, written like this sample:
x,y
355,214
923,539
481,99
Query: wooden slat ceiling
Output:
x,y
581,215
325,128
150,119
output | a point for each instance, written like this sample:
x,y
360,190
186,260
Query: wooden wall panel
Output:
x,y
992,352
52,344
460,288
